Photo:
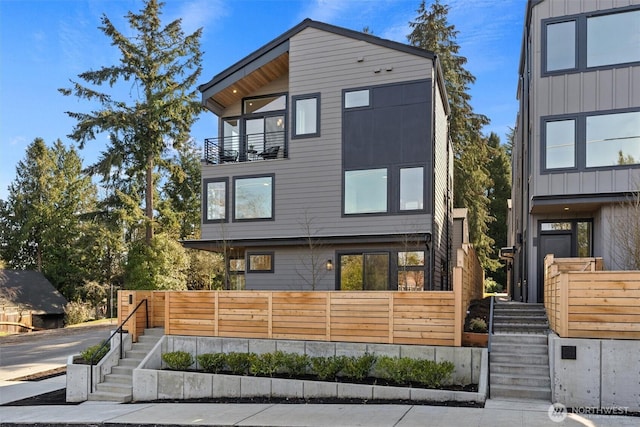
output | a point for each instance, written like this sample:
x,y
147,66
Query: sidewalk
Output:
x,y
495,413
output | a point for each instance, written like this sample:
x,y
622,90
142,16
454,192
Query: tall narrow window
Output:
x,y
306,115
561,46
411,270
254,198
365,191
411,189
560,144
215,200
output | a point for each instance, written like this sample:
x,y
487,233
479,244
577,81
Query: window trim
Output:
x,y
294,112
273,197
250,268
581,42
205,200
576,142
581,137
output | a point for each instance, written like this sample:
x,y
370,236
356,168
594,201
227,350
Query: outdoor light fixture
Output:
x,y
329,265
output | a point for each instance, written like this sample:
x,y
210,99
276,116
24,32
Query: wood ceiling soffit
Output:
x,y
254,81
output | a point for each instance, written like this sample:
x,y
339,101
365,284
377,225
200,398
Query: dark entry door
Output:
x,y
558,244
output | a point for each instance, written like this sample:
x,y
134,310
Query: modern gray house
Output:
x,y
332,167
576,154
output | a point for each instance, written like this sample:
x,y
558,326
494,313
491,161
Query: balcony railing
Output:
x,y
245,148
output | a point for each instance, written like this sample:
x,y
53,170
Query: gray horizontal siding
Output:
x,y
310,180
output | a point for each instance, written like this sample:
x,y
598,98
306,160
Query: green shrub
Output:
x,y
212,362
77,312
478,324
178,360
95,351
266,364
239,363
396,369
327,368
358,367
433,374
294,364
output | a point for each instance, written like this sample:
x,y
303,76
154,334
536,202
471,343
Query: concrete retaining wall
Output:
x,y
605,373
150,382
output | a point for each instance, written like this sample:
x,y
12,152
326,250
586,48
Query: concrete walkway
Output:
x,y
496,413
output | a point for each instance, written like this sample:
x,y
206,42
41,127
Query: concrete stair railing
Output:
x,y
118,385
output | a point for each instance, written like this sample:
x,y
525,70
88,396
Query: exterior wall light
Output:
x,y
329,265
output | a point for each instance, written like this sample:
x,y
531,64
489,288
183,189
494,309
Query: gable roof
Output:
x,y
30,290
273,58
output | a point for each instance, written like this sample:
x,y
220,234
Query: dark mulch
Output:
x,y
478,308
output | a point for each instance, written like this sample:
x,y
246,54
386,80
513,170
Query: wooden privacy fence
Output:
x,y
423,317
584,301
15,320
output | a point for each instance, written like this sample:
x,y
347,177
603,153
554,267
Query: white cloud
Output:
x,y
326,10
199,14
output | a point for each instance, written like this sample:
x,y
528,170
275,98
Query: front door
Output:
x,y
563,239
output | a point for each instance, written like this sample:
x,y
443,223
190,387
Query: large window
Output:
x,y
364,271
265,104
215,200
581,42
613,139
592,141
253,198
560,141
306,115
411,189
365,191
613,39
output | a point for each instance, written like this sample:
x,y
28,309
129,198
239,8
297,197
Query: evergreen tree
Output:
x,y
432,31
179,211
164,65
42,220
500,169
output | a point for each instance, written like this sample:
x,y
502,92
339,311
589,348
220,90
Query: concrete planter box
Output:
x,y
176,385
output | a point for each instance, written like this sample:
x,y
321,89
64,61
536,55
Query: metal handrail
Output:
x,y
493,298
118,329
244,147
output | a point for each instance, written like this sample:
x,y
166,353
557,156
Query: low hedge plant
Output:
x,y
178,360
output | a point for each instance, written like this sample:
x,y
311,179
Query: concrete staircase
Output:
x,y
118,385
519,352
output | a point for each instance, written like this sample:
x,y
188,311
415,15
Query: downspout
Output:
x,y
432,239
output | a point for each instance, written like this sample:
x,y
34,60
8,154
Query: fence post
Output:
x,y
458,309
563,308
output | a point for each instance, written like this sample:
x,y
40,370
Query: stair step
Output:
x,y
110,387
137,354
110,397
521,380
119,378
520,392
158,332
519,369
520,327
524,348
123,370
129,362
528,359
536,339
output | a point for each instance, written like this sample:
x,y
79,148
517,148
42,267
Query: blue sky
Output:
x,y
45,43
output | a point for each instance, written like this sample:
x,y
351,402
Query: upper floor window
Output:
x,y
306,115
356,98
561,46
411,189
365,191
613,139
613,39
253,198
582,42
561,144
592,141
215,200
265,104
